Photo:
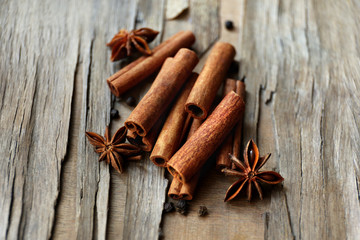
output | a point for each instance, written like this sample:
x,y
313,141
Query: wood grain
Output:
x,y
302,63
308,55
91,112
143,189
36,90
202,19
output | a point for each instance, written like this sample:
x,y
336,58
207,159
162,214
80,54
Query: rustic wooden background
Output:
x,y
302,62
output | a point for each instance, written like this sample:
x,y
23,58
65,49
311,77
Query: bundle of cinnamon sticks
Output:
x,y
173,120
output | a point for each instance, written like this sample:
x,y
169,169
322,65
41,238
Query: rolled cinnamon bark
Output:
x,y
139,70
222,156
212,75
165,87
186,191
188,160
175,188
146,143
240,89
169,139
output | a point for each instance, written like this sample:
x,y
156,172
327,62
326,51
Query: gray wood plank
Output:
x,y
36,86
140,191
306,70
93,178
49,47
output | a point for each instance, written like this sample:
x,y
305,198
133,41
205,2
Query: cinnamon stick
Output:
x,y
186,190
240,89
179,190
167,84
175,188
139,70
188,160
222,156
146,143
212,75
169,138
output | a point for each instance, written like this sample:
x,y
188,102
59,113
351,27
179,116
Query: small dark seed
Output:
x,y
169,207
202,211
131,101
229,24
182,204
114,114
181,207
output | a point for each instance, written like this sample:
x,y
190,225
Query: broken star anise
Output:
x,y
123,42
114,150
249,174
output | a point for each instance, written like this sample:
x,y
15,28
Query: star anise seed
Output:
x,y
114,150
123,42
249,174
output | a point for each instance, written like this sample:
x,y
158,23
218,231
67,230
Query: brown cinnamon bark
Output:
x,y
167,84
175,188
222,156
240,89
212,75
188,160
146,143
139,70
186,191
170,139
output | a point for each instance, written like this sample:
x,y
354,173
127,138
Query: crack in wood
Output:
x,y
288,215
69,142
357,187
88,78
301,185
266,217
11,205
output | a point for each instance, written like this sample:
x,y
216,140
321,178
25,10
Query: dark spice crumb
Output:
x,y
202,211
131,101
181,204
229,24
169,207
181,207
114,113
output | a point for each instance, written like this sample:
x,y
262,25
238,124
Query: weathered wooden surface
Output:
x,y
307,54
301,59
36,85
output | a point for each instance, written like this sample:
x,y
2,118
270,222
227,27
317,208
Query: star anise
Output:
x,y
249,174
114,150
123,42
